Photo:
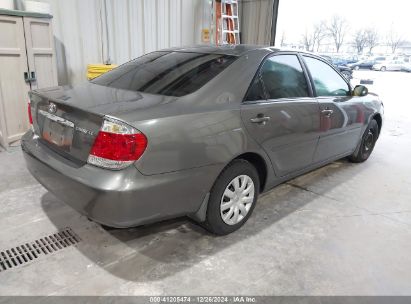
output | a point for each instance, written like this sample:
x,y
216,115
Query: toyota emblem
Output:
x,y
52,108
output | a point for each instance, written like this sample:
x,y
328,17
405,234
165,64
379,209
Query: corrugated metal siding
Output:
x,y
136,27
256,18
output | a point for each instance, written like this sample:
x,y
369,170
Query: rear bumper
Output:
x,y
123,198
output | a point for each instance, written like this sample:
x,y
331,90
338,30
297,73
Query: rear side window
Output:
x,y
282,77
327,81
256,90
166,73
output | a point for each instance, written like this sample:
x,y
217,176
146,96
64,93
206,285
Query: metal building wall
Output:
x,y
135,27
256,17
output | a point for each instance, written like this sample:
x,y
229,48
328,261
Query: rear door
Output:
x,y
341,114
281,115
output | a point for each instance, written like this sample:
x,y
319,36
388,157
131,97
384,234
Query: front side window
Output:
x,y
327,81
283,77
166,73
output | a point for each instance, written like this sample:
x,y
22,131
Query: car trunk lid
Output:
x,y
64,128
67,119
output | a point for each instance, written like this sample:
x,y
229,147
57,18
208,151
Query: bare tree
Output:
x,y
360,40
319,34
372,38
312,38
308,40
282,41
337,29
394,40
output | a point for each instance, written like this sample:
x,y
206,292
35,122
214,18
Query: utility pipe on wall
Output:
x,y
274,21
108,61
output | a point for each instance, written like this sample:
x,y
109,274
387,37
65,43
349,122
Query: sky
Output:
x,y
294,16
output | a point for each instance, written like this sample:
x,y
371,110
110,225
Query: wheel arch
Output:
x,y
259,163
256,160
378,119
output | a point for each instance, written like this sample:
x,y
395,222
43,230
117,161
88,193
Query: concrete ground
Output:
x,y
344,229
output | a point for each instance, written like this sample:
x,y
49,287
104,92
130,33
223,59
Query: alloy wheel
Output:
x,y
237,199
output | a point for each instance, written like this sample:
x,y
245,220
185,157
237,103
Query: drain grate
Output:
x,y
28,252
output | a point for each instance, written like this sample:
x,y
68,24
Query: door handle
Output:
x,y
327,112
260,119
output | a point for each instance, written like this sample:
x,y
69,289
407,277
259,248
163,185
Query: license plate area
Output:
x,y
57,131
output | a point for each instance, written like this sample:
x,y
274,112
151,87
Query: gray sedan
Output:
x,y
196,132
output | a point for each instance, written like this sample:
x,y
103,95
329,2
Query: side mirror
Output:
x,y
360,90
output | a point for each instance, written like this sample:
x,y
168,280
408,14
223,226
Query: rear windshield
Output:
x,y
166,73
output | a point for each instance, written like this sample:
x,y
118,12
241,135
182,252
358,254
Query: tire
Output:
x,y
356,68
367,144
215,223
383,69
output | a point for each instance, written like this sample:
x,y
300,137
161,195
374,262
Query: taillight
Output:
x,y
117,145
29,113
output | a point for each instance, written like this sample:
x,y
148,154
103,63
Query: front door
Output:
x,y
281,115
341,119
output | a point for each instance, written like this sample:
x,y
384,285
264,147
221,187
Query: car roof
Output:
x,y
234,50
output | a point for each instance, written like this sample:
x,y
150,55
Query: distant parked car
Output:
x,y
380,58
339,61
340,64
346,71
389,65
362,64
351,59
406,67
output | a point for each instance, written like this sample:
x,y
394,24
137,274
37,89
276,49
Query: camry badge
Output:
x,y
52,108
